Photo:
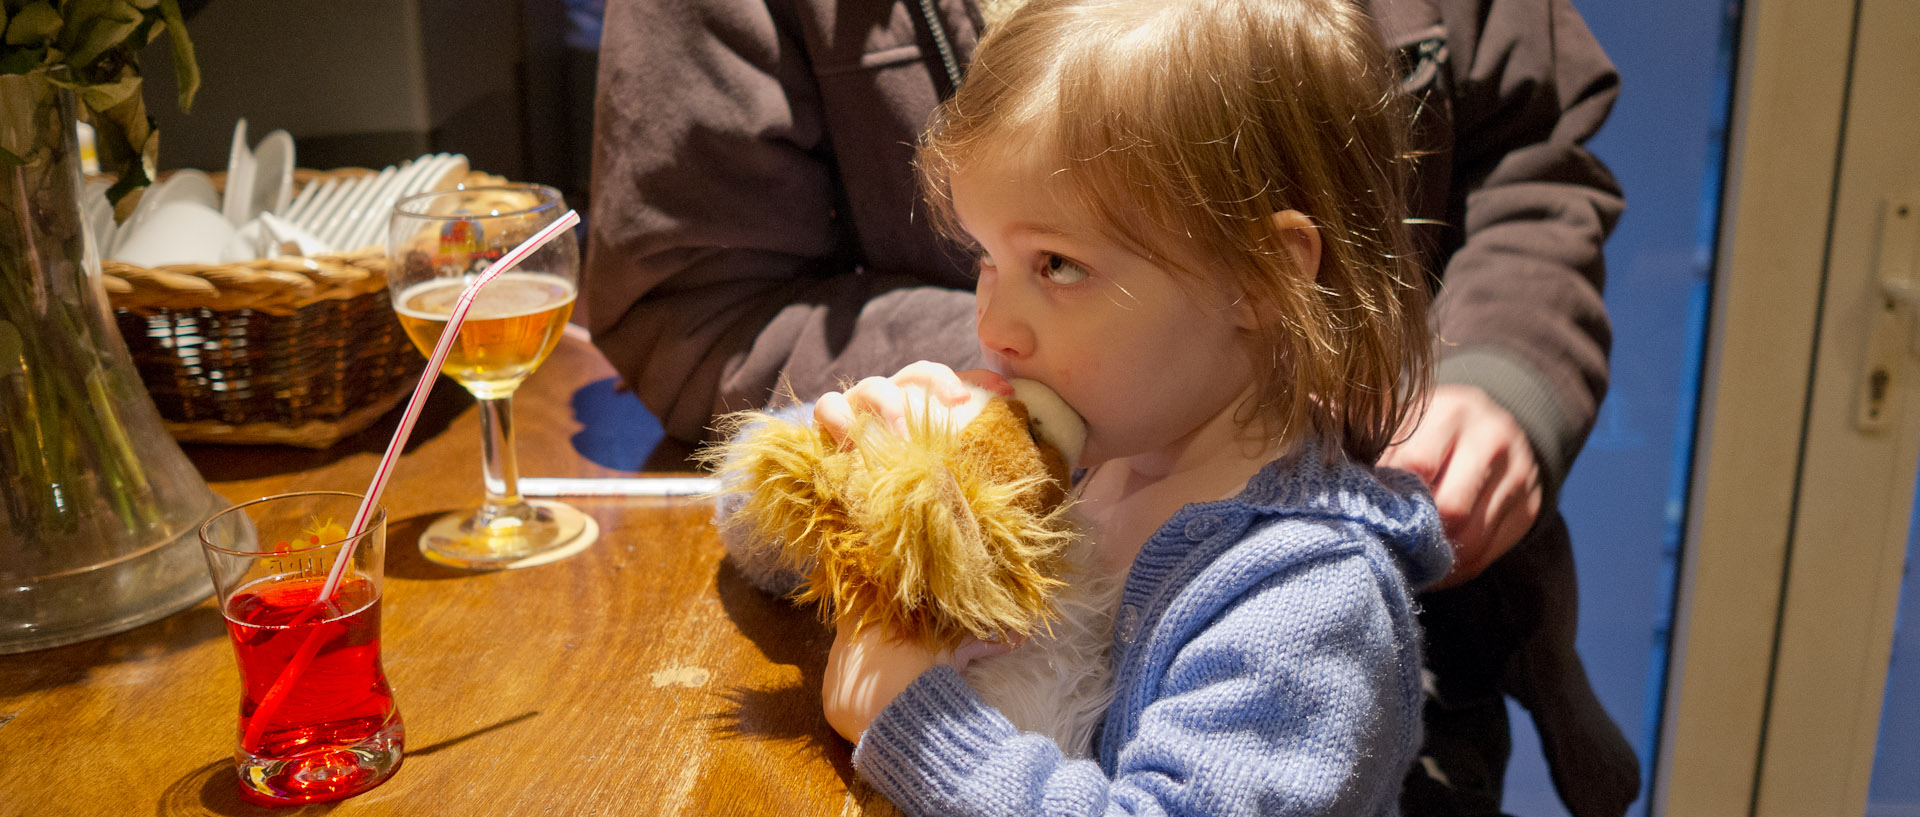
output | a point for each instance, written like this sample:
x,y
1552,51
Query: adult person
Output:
x,y
756,229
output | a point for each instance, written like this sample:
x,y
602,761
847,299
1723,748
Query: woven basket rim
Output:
x,y
277,285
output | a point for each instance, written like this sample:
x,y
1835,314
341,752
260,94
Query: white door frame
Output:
x,y
1799,513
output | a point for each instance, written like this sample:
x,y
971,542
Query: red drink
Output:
x,y
317,720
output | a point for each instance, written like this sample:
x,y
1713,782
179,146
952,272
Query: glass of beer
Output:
x,y
437,244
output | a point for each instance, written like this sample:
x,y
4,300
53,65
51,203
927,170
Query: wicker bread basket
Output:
x,y
291,350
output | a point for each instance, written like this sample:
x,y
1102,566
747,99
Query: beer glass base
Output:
x,y
557,531
322,774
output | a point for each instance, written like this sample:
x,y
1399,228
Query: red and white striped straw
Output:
x,y
439,356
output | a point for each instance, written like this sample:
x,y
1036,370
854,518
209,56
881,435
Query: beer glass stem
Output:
x,y
498,466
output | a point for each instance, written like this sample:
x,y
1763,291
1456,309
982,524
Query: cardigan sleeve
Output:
x,y
1283,701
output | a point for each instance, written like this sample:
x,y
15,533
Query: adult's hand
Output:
x,y
1485,480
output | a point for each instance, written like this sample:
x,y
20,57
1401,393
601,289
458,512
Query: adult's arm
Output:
x,y
721,264
1520,312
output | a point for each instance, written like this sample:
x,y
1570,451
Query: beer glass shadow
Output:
x,y
404,559
616,430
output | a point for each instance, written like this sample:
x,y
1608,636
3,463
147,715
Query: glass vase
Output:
x,y
98,505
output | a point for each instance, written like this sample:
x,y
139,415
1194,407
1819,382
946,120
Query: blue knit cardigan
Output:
x,y
1266,662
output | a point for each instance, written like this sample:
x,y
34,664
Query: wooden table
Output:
x,y
642,676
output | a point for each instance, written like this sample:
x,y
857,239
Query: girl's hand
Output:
x,y
865,672
868,669
1485,482
886,397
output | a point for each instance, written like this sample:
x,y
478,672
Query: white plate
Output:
x,y
306,215
184,184
300,202
188,184
367,229
444,174
358,207
178,232
139,214
329,202
447,176
373,228
239,196
327,194
334,232
330,210
273,173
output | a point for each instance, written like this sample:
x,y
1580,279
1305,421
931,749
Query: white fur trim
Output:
x,y
1060,682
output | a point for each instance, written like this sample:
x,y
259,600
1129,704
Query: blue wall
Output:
x,y
1895,790
1625,496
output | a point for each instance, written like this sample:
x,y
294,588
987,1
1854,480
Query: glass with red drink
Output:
x,y
317,717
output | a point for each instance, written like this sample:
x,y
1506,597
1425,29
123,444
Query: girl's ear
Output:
x,y
1298,234
1301,240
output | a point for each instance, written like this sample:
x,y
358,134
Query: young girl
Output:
x,y
1189,222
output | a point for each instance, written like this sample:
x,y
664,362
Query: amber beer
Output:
x,y
513,325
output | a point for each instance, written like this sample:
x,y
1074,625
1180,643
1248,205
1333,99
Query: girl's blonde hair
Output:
x,y
1183,127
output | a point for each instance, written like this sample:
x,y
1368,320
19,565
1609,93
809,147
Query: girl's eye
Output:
x,y
1059,270
983,265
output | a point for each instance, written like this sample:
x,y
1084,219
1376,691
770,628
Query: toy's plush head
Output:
x,y
957,529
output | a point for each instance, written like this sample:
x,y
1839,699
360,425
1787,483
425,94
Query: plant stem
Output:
x,y
63,384
37,455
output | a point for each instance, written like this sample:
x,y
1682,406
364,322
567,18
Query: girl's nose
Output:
x,y
999,318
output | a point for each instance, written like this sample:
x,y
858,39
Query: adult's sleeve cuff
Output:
x,y
1525,394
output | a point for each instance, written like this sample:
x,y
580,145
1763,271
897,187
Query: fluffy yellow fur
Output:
x,y
942,534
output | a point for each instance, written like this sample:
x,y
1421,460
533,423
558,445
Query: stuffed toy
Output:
x,y
961,528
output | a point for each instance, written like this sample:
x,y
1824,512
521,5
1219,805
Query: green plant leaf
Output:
x,y
23,100
22,60
80,11
96,27
7,159
10,345
186,69
127,183
34,25
125,141
104,95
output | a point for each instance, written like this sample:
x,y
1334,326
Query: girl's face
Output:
x,y
1144,359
